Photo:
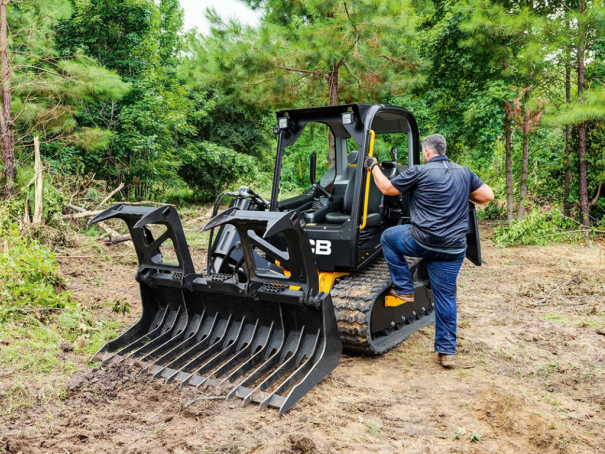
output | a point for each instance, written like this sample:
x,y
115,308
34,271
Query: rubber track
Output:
x,y
353,297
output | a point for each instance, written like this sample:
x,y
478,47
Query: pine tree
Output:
x,y
142,41
514,31
583,29
313,52
41,90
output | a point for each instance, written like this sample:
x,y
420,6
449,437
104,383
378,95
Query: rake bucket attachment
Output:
x,y
267,340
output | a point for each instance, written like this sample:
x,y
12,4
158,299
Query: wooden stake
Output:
x,y
38,203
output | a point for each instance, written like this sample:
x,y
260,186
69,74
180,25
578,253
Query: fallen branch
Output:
x,y
77,208
110,232
568,232
82,215
147,202
116,239
108,229
111,194
111,237
113,234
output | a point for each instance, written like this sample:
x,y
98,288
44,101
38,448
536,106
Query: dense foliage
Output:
x,y
538,228
28,272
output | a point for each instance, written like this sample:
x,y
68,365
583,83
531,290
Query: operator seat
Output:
x,y
374,202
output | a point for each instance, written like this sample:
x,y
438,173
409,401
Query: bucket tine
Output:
x,y
287,363
217,354
171,338
189,338
227,358
289,347
169,329
160,353
155,331
234,362
260,364
303,364
257,348
222,329
200,342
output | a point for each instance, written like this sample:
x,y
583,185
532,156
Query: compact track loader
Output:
x,y
289,282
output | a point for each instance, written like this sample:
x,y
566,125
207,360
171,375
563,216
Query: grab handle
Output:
x,y
367,193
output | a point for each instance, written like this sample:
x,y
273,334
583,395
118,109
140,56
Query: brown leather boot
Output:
x,y
446,361
405,298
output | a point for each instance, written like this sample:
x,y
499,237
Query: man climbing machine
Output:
x,y
439,210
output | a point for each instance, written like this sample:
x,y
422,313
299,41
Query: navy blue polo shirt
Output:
x,y
439,191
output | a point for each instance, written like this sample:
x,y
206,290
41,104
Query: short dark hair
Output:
x,y
435,143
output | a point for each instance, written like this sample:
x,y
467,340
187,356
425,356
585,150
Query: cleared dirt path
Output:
x,y
531,378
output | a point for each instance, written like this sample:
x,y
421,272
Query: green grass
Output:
x,y
557,318
372,428
547,370
586,322
34,345
91,231
30,355
181,197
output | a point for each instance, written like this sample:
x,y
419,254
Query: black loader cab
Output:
x,y
344,211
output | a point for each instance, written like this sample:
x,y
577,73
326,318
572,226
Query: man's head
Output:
x,y
433,145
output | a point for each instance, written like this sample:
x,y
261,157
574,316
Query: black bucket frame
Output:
x,y
268,340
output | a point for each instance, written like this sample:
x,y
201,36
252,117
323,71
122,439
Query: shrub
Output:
x,y
539,229
28,273
52,208
210,168
493,211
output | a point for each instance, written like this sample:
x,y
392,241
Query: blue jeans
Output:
x,y
397,242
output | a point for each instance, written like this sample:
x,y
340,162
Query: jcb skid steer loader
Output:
x,y
290,281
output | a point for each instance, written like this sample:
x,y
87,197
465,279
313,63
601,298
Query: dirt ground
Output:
x,y
530,379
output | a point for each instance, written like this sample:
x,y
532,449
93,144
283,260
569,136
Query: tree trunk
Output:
x,y
567,181
510,201
8,152
585,220
524,164
39,199
333,95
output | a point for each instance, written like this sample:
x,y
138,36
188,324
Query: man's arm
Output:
x,y
482,195
383,183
